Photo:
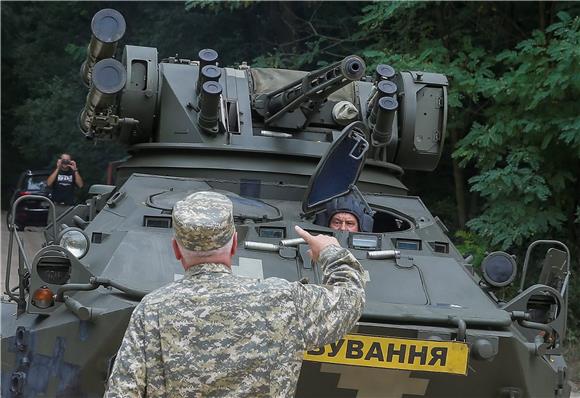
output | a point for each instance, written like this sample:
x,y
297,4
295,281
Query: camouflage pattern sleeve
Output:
x,y
328,312
129,375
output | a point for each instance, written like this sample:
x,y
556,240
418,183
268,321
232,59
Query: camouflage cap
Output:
x,y
203,221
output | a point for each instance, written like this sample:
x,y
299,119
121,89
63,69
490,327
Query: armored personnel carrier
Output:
x,y
281,144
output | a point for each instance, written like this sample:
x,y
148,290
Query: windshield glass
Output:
x,y
36,183
244,208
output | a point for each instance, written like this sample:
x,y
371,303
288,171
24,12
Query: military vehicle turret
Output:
x,y
280,144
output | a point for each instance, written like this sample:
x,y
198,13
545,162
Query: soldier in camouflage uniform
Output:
x,y
214,334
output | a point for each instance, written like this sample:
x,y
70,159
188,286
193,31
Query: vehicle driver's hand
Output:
x,y
58,163
317,243
73,164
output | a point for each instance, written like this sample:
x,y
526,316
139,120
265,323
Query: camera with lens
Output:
x,y
66,161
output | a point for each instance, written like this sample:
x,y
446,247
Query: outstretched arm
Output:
x,y
328,312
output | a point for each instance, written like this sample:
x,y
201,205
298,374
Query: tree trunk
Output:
x,y
542,14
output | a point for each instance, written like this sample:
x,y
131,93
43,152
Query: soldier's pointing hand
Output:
x,y
317,243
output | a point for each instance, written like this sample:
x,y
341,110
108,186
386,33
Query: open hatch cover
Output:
x,y
339,169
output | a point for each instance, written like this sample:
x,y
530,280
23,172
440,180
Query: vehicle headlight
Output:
x,y
499,269
75,241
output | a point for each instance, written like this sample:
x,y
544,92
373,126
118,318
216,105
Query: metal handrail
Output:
x,y
14,234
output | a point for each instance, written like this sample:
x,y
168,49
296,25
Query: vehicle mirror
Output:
x,y
339,168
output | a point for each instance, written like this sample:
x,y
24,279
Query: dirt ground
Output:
x,y
573,359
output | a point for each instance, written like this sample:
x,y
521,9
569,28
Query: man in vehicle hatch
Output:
x,y
346,213
214,334
63,181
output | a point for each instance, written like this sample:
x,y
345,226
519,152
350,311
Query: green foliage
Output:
x,y
527,151
217,6
469,243
40,146
376,14
76,52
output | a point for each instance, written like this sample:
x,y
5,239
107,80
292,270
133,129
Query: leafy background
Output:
x,y
509,174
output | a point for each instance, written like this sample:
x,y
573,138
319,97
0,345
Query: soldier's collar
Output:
x,y
207,268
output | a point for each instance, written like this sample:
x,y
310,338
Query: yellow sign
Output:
x,y
395,353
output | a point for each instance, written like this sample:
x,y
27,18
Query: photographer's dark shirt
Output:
x,y
63,189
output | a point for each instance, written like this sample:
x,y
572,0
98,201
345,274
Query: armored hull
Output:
x,y
414,303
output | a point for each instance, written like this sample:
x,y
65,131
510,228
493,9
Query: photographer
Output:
x,y
63,180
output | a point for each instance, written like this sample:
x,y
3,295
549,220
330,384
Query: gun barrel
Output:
x,y
207,56
315,86
107,27
108,79
382,130
353,68
209,107
209,73
384,88
384,72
